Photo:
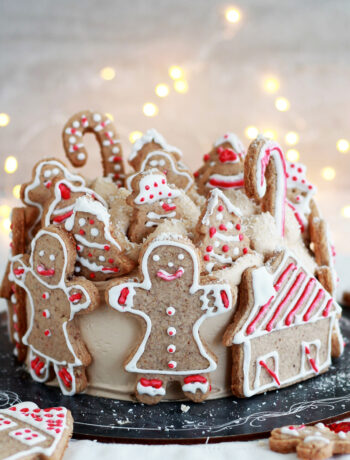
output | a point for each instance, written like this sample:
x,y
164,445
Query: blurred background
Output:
x,y
191,69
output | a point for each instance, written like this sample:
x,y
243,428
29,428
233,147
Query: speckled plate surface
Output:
x,y
326,397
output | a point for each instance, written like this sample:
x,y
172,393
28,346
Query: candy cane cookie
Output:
x,y
265,178
101,126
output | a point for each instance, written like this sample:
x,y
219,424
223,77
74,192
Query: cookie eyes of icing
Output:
x,y
156,258
49,172
170,264
181,256
41,253
52,257
82,222
94,232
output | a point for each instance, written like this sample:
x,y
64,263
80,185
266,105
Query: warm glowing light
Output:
x,y
251,132
11,165
5,211
232,15
343,145
134,135
6,225
181,86
292,155
292,138
16,191
271,85
282,104
270,133
107,73
328,173
176,72
150,109
4,119
346,212
162,90
110,116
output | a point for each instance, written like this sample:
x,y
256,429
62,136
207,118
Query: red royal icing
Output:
x,y
272,373
65,377
212,231
226,184
168,207
75,297
65,191
226,155
316,300
154,383
123,295
62,217
224,299
195,378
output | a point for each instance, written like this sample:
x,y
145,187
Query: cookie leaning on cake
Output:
x,y
241,239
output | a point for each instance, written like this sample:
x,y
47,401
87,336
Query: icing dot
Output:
x,y
81,221
209,248
110,261
153,162
147,187
96,117
41,253
72,139
169,194
170,264
225,248
181,257
171,331
219,216
172,364
47,332
161,162
171,348
142,199
94,232
55,171
236,251
76,124
216,244
156,258
47,173
101,258
82,232
46,295
151,196
220,208
91,221
240,237
92,275
52,257
206,257
206,157
106,248
77,269
245,250
81,156
238,227
46,313
170,311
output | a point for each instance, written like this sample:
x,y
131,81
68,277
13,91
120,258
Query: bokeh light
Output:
x,y
176,72
10,165
4,119
181,86
271,84
292,155
5,211
150,109
346,212
328,173
110,116
292,138
232,15
282,104
107,73
6,225
16,191
251,132
270,134
343,145
162,90
134,135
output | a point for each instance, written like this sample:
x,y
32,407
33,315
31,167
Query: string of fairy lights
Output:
x,y
179,83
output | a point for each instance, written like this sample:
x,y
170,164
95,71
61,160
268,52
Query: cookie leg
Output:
x,y
196,387
150,389
39,367
71,379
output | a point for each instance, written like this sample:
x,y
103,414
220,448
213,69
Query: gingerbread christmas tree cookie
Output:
x,y
220,236
223,166
30,433
172,301
152,151
100,247
101,126
153,201
54,298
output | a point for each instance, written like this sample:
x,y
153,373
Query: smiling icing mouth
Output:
x,y
164,275
43,272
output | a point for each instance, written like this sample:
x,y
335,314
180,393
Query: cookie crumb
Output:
x,y
184,408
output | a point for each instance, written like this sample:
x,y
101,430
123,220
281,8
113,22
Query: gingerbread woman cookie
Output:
x,y
101,248
30,433
101,126
153,201
15,295
223,166
54,298
38,191
283,328
265,178
310,442
63,197
152,151
172,301
219,229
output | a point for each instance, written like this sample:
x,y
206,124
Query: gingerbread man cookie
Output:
x,y
16,296
219,229
54,298
153,201
299,193
265,178
172,301
102,127
152,151
223,167
101,248
38,191
30,433
282,329
310,442
63,197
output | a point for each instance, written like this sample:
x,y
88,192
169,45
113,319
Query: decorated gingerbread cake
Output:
x,y
158,283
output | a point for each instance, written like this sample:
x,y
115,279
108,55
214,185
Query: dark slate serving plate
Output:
x,y
326,397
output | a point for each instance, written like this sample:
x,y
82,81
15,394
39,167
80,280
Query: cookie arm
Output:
x,y
82,297
120,296
19,269
217,298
